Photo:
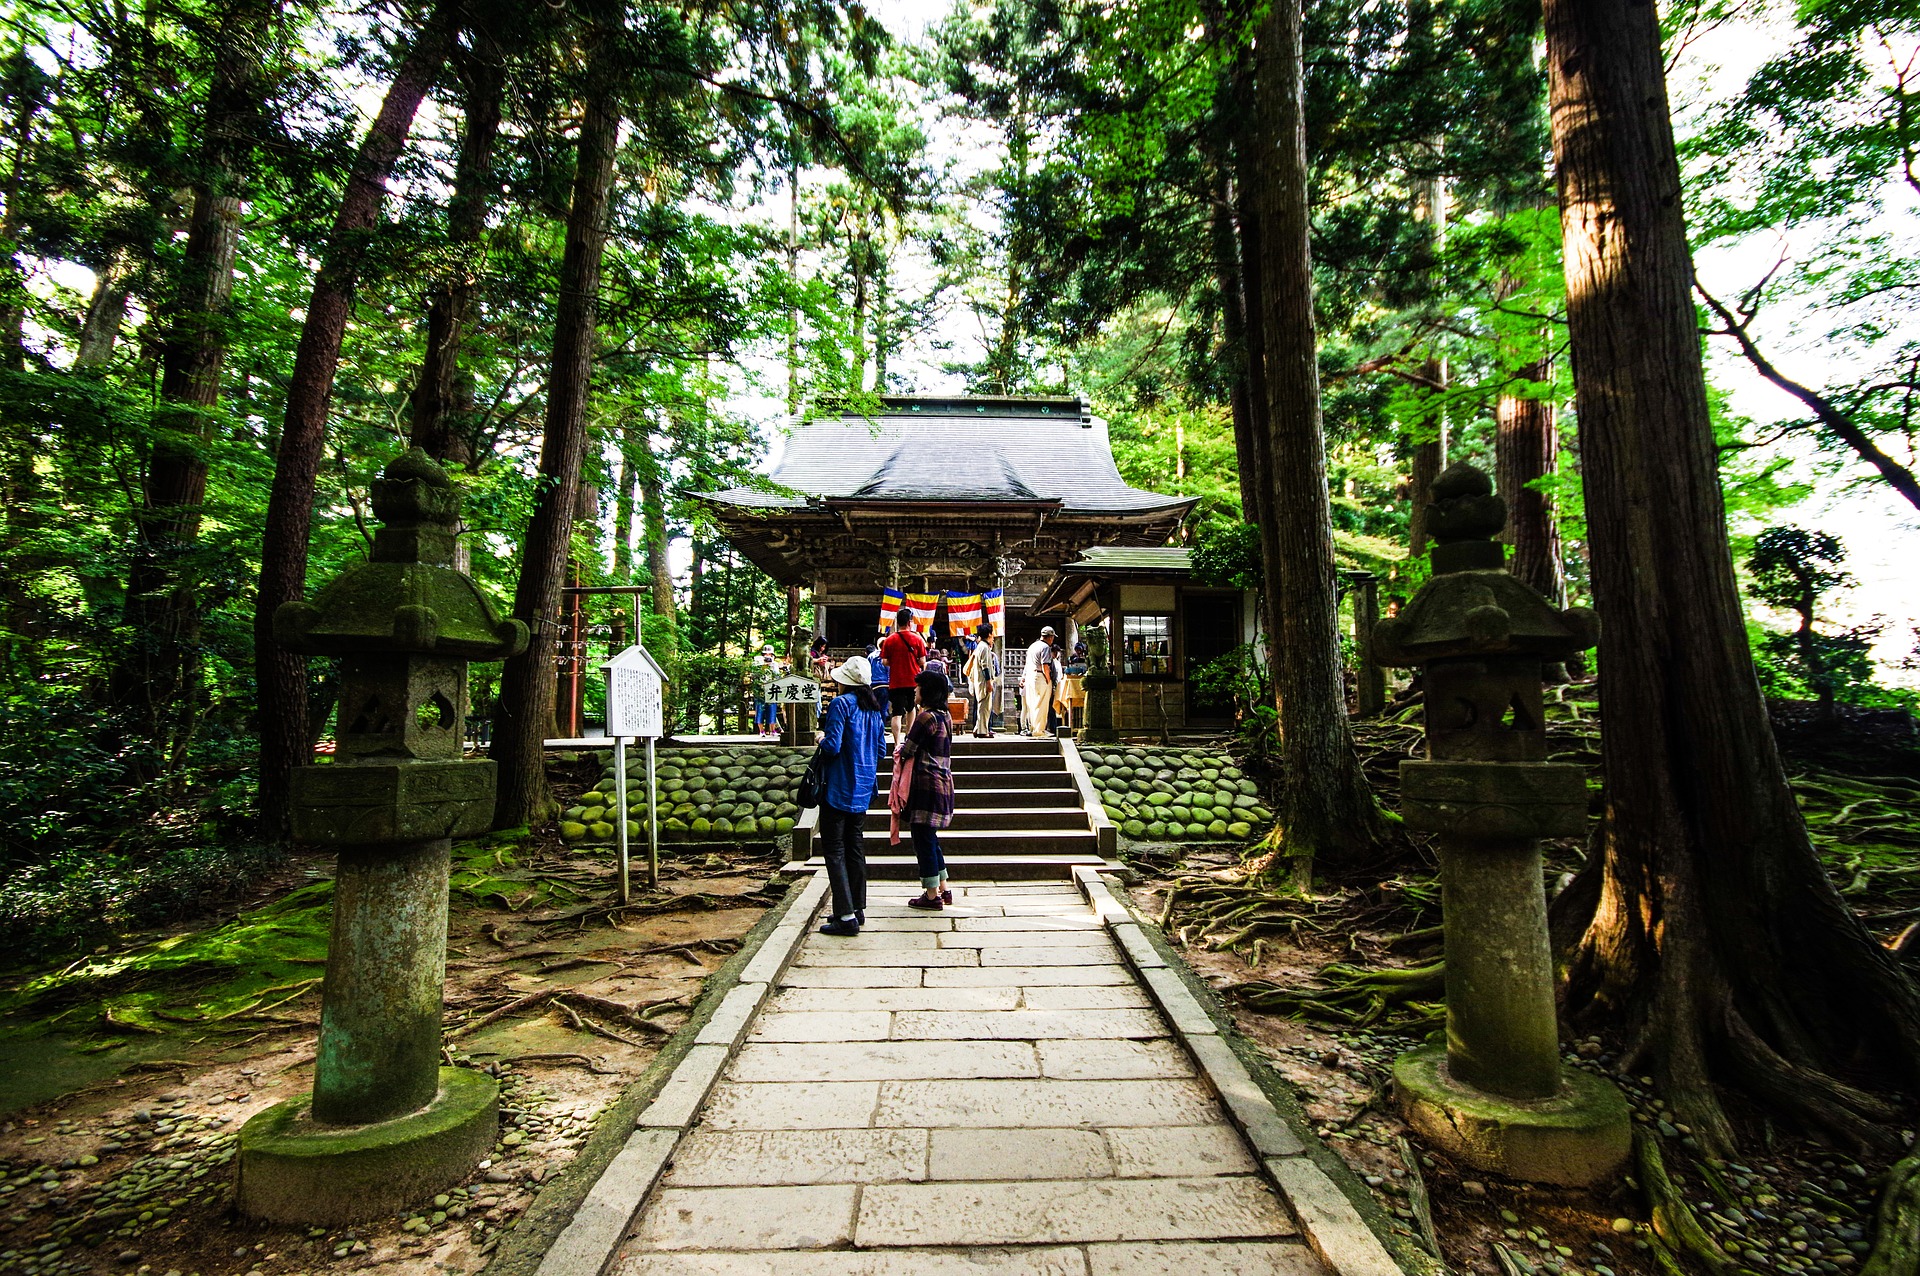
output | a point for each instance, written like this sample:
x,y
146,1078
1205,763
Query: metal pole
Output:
x,y
620,793
653,822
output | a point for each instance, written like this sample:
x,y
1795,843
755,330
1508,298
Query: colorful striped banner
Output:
x,y
891,601
923,607
963,613
993,605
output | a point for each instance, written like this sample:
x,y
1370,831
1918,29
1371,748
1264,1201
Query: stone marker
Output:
x,y
1100,683
386,1125
1496,1096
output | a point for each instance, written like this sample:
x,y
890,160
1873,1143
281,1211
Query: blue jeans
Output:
x,y
926,849
765,715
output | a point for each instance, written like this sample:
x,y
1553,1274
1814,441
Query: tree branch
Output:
x,y
1829,415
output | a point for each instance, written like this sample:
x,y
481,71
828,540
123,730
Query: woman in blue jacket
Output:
x,y
852,733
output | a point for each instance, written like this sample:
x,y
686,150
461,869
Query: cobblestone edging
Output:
x,y
573,1225
1336,1214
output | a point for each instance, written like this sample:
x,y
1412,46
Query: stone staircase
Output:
x,y
1019,810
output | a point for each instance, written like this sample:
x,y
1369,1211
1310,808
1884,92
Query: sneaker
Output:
x,y
861,917
946,897
931,905
840,926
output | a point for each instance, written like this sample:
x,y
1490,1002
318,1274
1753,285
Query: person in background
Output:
x,y
1072,696
766,718
983,676
818,662
1036,691
905,652
852,733
926,794
876,664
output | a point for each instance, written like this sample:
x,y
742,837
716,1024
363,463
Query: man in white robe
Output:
x,y
1037,684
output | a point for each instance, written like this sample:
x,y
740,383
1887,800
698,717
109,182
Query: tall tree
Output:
x,y
154,679
1709,925
527,683
281,675
1325,804
442,397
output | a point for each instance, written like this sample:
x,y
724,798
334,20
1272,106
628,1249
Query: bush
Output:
x,y
79,899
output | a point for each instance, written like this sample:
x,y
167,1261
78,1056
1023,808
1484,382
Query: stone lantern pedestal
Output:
x,y
1496,1095
386,1125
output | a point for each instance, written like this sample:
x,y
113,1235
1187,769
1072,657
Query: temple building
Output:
x,y
966,495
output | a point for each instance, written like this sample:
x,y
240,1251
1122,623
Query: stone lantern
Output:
x,y
1100,683
386,1124
1497,1095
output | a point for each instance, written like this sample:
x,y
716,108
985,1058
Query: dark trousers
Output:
x,y
926,849
842,847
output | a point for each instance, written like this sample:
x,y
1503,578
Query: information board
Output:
x,y
636,695
794,689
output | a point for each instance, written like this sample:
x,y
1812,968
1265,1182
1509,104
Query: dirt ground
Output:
x,y
562,998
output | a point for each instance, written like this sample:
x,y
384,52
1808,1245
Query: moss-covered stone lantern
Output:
x,y
386,1124
1100,683
1497,1095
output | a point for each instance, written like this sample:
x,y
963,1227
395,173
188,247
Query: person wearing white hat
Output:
x,y
766,719
852,734
1036,689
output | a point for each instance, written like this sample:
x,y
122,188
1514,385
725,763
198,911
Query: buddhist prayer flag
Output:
x,y
963,613
891,601
993,605
923,606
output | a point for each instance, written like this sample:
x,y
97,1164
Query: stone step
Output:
x,y
1010,746
998,867
1001,777
968,818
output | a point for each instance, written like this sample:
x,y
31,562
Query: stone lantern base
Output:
x,y
1581,1136
294,1170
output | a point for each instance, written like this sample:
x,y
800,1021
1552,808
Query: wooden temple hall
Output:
x,y
968,495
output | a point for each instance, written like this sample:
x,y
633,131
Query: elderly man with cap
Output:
x,y
852,734
1037,684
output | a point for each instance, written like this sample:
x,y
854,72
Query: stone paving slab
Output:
x,y
1024,1025
1105,954
806,1105
1018,1154
915,959
1029,976
1077,920
1079,937
1107,997
721,1158
1204,1258
853,977
1056,1261
749,1218
823,1025
884,1061
1070,1060
1064,1211
1065,1104
825,999
1180,1151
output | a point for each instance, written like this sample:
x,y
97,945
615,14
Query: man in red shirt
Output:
x,y
905,652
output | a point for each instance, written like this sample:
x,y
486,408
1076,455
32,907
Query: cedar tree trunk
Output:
x,y
527,682
1713,933
1326,806
1527,447
282,674
653,511
437,399
155,679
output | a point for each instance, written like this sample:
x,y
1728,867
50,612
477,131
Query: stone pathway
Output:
x,y
985,1090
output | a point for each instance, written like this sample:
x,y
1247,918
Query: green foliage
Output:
x,y
1229,558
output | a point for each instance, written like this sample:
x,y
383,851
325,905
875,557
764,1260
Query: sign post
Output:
x,y
636,708
795,689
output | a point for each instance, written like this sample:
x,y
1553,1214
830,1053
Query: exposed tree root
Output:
x,y
1356,997
1675,1226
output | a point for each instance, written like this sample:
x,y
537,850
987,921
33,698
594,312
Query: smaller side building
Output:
x,y
1162,626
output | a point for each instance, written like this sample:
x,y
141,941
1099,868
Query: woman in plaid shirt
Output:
x,y
929,798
